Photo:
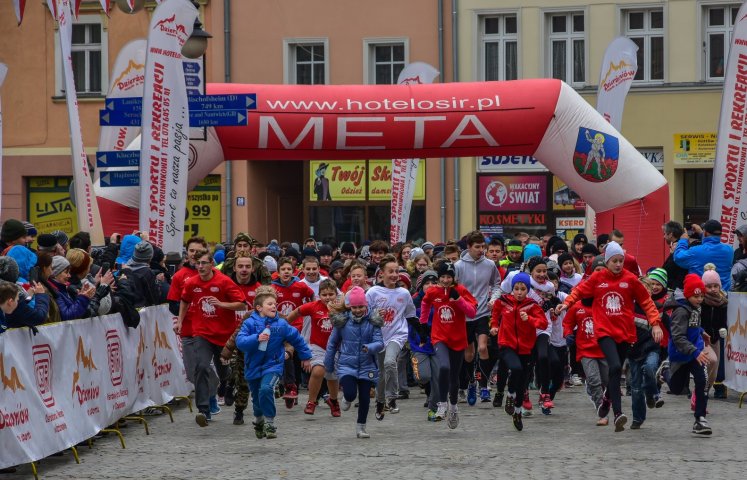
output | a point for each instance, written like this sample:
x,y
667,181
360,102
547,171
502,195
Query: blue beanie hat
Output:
x,y
532,250
521,277
219,256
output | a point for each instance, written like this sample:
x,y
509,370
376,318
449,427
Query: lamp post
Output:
x,y
124,5
196,44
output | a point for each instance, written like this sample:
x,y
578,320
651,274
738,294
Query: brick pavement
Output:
x,y
566,444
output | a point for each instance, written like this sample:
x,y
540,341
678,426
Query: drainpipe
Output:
x,y
455,78
227,79
441,70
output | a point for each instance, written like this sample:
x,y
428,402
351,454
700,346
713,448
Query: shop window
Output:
x,y
379,223
697,195
345,224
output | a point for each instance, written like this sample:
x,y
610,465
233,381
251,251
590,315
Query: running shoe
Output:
x,y
291,391
403,395
604,407
452,419
259,429
462,396
484,395
441,411
516,419
527,404
498,400
432,416
650,403
346,405
238,417
392,405
509,408
636,425
379,411
229,398
214,408
719,390
546,403
472,394
202,419
334,407
603,422
310,407
620,421
701,427
576,380
658,401
360,431
270,431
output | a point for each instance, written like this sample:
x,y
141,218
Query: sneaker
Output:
x,y
202,419
603,422
484,395
516,419
270,431
426,403
510,407
259,429
346,405
620,421
650,403
576,380
604,407
392,404
229,399
719,390
310,407
379,411
526,404
214,408
441,412
462,396
221,400
636,425
658,401
432,416
701,427
238,417
403,395
498,400
662,373
360,431
472,394
291,391
334,407
452,419
546,403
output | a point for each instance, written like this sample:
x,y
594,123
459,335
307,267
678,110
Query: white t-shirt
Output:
x,y
395,306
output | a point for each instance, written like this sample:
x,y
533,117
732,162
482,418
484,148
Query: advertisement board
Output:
x,y
49,205
204,210
695,148
515,193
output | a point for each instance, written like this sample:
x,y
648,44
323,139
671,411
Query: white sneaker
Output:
x,y
576,380
346,405
452,419
441,410
360,431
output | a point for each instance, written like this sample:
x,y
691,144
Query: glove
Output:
x,y
453,294
570,340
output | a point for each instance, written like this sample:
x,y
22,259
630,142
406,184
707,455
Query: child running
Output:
x,y
451,305
515,319
357,337
264,356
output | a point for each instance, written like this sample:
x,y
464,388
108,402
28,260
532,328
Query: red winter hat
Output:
x,y
693,285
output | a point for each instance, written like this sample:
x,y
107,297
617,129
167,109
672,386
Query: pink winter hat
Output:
x,y
710,276
356,297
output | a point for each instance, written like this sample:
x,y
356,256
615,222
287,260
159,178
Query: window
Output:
x,y
89,57
306,62
719,23
697,194
385,61
499,42
646,29
566,49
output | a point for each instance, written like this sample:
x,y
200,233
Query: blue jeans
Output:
x,y
643,383
263,395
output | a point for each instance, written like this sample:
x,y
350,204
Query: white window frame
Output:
x,y
289,57
481,39
58,76
647,34
705,31
369,55
569,37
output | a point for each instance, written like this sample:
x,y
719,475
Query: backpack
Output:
x,y
123,306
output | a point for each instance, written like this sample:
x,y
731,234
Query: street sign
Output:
x,y
245,101
217,118
124,158
121,178
119,118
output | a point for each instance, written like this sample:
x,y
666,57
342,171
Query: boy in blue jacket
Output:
x,y
687,352
264,356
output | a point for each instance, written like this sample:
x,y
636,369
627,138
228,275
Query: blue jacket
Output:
x,y
686,340
28,314
127,248
70,308
710,251
258,363
349,337
26,260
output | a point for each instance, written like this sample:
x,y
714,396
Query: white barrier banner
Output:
x,y
735,350
63,385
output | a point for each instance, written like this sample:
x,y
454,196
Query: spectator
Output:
x,y
47,243
630,264
126,248
26,260
12,233
675,274
741,251
44,264
138,280
694,258
80,275
62,240
71,306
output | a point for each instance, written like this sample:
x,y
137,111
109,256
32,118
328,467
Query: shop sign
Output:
x,y
512,193
345,180
508,219
204,210
49,205
564,223
509,163
380,180
695,149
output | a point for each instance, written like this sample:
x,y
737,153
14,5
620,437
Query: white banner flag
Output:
x,y
85,199
735,348
405,171
164,160
728,202
3,72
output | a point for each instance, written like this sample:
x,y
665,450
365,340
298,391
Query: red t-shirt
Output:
x,y
175,294
214,324
292,296
321,325
449,323
250,291
580,317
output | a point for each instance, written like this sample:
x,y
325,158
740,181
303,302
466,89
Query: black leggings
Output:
x,y
449,367
351,387
558,362
542,349
681,379
517,365
615,353
486,366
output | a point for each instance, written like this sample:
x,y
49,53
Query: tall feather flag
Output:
x,y
19,6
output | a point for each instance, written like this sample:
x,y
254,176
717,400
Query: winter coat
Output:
x,y
711,250
26,260
141,280
70,308
713,317
259,363
127,248
513,332
480,277
686,341
349,337
28,314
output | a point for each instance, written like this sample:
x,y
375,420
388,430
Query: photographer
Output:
x,y
694,258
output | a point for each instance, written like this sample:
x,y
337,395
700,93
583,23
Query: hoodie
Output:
x,y
127,248
26,260
480,277
686,341
513,332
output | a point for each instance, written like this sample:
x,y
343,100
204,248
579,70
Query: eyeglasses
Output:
x,y
204,263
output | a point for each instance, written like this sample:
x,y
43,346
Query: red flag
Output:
x,y
106,5
76,10
20,6
52,4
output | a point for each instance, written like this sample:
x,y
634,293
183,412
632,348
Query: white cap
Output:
x,y
612,249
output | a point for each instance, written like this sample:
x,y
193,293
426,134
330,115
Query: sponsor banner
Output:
x,y
164,151
337,180
735,348
512,193
85,198
509,163
698,149
74,378
380,180
404,178
619,67
3,72
489,220
49,205
727,202
564,198
565,223
204,210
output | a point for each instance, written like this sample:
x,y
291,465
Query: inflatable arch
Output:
x,y
544,118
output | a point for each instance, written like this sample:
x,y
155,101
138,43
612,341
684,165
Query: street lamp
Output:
x,y
124,5
196,44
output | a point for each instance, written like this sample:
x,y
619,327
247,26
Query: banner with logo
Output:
x,y
728,204
85,198
74,378
527,193
164,151
735,349
3,72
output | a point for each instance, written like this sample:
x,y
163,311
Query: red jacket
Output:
x,y
579,317
614,302
513,332
449,316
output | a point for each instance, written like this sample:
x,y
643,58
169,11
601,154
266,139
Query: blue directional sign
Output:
x,y
217,118
119,118
192,68
124,158
122,178
246,101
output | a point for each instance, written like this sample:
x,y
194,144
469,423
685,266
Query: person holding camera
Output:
x,y
694,258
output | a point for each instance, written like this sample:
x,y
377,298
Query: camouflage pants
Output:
x,y
241,388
